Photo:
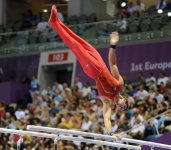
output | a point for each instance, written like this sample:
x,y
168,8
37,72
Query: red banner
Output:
x,y
57,57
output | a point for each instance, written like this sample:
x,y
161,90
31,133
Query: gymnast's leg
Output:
x,y
89,58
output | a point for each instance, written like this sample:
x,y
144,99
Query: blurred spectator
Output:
x,y
58,97
154,123
47,91
162,87
43,24
78,83
44,117
131,90
86,90
161,5
159,97
141,94
65,86
37,99
130,99
76,92
134,117
152,92
54,108
163,78
166,120
57,86
122,24
152,104
138,131
114,126
141,78
86,124
34,85
67,123
139,7
152,85
124,13
9,124
168,85
20,114
60,15
150,78
53,119
131,8
149,130
2,109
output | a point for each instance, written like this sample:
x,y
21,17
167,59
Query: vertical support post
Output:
x,y
19,143
56,142
127,144
152,148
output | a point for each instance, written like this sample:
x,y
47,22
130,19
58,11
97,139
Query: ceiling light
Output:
x,y
169,14
45,10
123,4
160,11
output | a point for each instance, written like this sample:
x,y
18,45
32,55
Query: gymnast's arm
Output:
x,y
114,38
107,110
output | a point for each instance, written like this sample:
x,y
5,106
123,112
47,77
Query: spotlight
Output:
x,y
123,4
160,11
45,10
169,14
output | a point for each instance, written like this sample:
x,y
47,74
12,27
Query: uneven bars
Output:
x,y
68,138
95,135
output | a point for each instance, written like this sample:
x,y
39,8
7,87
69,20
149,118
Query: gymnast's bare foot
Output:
x,y
54,15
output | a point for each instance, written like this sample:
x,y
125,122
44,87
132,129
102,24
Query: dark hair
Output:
x,y
126,103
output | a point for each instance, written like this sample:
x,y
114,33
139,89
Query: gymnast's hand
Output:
x,y
117,136
114,38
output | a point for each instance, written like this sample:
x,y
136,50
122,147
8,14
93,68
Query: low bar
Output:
x,y
95,135
99,142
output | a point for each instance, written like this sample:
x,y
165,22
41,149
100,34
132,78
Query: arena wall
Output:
x,y
133,59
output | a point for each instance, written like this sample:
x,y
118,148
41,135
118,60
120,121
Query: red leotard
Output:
x,y
90,60
107,85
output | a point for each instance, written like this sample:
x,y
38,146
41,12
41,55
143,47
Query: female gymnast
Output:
x,y
108,84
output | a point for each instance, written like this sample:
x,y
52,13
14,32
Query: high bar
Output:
x,y
95,135
68,138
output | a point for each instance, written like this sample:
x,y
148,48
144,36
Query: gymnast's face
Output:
x,y
121,103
